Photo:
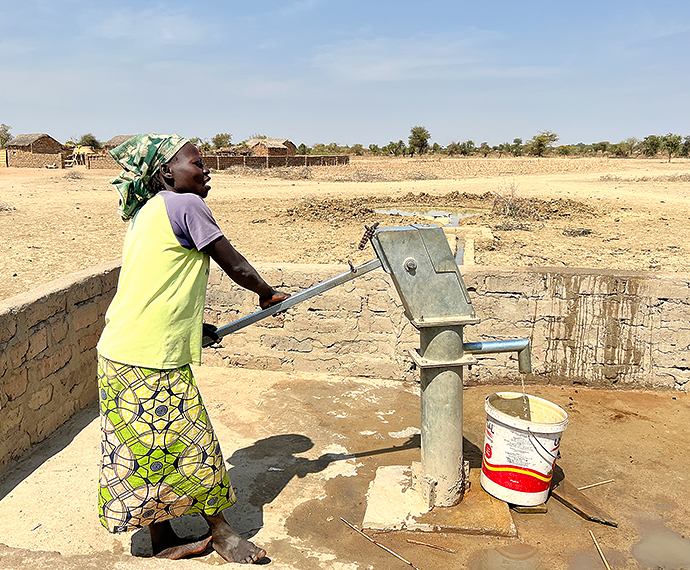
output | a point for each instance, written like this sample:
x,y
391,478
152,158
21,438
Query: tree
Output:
x,y
302,149
651,145
357,149
516,147
396,148
221,140
453,148
374,149
5,135
467,147
419,139
202,144
541,143
485,149
671,144
89,140
685,147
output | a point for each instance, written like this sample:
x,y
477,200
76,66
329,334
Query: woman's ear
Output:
x,y
167,175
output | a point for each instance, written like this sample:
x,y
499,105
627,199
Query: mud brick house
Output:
x,y
37,150
117,140
103,160
271,147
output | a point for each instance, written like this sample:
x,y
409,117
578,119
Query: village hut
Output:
x,y
36,150
271,147
35,144
117,140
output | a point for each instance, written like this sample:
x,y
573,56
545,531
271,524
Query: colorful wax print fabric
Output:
x,y
160,456
141,157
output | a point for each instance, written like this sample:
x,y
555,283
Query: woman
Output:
x,y
161,458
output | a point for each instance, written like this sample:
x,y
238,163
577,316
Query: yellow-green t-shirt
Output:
x,y
155,319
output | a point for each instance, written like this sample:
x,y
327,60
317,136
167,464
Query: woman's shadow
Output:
x,y
259,473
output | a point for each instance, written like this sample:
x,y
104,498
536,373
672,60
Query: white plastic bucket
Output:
x,y
523,434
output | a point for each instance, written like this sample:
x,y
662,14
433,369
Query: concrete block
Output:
x,y
286,343
15,384
85,315
17,352
38,341
58,358
58,331
45,307
10,419
89,341
379,302
84,291
40,398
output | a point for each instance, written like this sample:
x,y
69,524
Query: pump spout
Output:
x,y
521,346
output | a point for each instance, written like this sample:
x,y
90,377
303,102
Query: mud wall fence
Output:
x,y
217,162
25,159
594,328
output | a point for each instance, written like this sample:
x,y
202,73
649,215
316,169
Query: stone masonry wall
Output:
x,y
48,356
596,328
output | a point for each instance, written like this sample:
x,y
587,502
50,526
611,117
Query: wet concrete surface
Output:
x,y
302,450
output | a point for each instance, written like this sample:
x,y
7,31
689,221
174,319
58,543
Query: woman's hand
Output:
x,y
277,297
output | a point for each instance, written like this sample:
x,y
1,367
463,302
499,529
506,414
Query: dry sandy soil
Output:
x,y
620,214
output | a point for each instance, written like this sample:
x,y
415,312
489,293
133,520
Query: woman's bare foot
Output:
x,y
230,545
166,544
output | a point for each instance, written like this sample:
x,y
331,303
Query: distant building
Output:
x,y
271,147
36,150
35,143
117,140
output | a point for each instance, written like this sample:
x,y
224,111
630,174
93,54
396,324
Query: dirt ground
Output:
x,y
302,449
620,214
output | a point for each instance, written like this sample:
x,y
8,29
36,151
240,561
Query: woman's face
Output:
x,y
188,172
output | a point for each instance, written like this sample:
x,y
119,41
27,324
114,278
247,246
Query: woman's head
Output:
x,y
142,157
185,173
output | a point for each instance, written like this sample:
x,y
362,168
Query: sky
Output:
x,y
346,71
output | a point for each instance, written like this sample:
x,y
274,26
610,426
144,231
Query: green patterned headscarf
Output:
x,y
141,157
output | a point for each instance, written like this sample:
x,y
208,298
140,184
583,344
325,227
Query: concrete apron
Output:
x,y
302,451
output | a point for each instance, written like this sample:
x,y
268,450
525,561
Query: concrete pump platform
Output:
x,y
302,451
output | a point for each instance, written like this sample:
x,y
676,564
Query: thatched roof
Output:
x,y
268,143
117,140
27,139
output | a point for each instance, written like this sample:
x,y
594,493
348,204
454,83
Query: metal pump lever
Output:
x,y
293,300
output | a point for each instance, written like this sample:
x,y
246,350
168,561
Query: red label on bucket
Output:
x,y
514,478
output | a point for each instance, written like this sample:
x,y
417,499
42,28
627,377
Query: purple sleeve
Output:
x,y
191,220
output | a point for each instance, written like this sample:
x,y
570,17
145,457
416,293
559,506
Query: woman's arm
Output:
x,y
241,272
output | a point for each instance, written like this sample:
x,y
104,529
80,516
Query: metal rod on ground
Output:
x,y
432,546
603,558
595,484
353,527
296,298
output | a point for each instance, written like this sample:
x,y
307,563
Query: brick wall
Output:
x,y
23,159
48,356
102,161
3,157
599,328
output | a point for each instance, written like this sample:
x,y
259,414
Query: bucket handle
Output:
x,y
551,455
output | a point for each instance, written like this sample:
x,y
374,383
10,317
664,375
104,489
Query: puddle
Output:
x,y
440,217
662,549
513,557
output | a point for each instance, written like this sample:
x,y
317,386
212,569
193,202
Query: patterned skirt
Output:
x,y
160,456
